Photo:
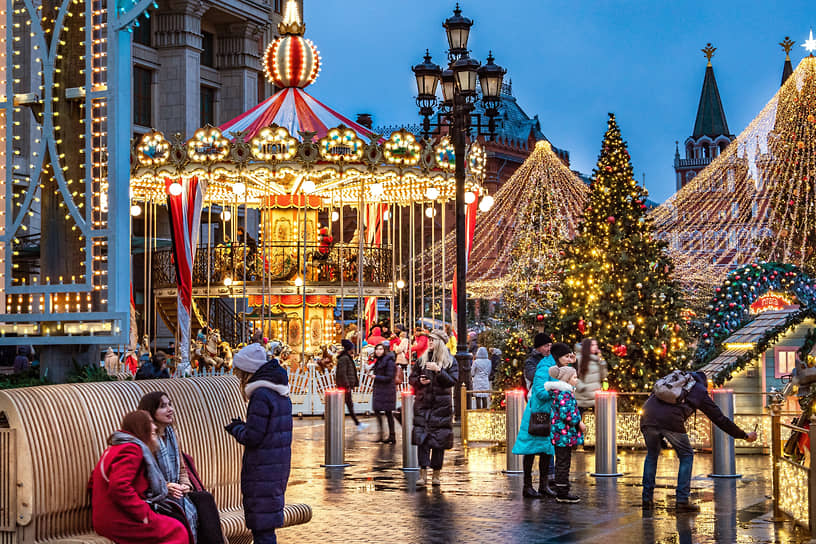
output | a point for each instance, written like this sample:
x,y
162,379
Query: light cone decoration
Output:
x,y
756,200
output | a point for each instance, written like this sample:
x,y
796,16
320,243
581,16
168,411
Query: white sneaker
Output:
x,y
362,426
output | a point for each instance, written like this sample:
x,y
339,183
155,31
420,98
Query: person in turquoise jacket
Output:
x,y
538,400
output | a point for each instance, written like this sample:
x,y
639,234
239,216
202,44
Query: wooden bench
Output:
x,y
51,438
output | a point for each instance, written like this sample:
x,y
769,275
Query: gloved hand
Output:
x,y
232,424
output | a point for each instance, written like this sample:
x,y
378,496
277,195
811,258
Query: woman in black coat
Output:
x,y
432,379
384,396
267,438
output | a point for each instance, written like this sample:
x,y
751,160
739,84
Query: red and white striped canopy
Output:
x,y
296,110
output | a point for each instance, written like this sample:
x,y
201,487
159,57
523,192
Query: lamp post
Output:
x,y
458,98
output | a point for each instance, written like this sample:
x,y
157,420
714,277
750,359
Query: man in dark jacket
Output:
x,y
267,440
663,420
542,342
347,378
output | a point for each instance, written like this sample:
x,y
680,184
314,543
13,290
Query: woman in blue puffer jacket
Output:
x,y
267,438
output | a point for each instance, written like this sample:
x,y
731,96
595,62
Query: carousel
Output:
x,y
281,214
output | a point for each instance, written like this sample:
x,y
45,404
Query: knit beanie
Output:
x,y
559,349
250,358
440,335
541,339
562,373
348,347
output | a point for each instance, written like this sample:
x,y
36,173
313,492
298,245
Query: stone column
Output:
x,y
239,62
178,41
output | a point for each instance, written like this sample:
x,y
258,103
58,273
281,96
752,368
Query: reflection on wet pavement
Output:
x,y
374,501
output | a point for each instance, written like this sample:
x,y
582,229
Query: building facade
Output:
x,y
199,62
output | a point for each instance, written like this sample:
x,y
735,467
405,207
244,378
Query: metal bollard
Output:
x,y
606,446
722,444
335,429
410,457
514,399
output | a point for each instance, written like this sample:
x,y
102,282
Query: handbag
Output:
x,y
399,377
539,424
172,509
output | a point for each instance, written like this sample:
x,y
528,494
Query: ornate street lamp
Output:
x,y
459,94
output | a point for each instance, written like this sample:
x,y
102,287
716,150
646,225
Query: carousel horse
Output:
x,y
209,354
225,354
144,347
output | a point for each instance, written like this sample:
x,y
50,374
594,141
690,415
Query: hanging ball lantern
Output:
x,y
335,216
175,189
135,210
226,215
431,193
486,203
470,197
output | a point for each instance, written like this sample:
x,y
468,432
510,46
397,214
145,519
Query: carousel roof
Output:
x,y
295,110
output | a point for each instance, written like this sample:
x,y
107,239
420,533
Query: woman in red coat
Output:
x,y
126,481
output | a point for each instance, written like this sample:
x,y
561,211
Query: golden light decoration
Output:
x,y
153,149
401,148
793,479
341,144
273,144
476,161
208,145
445,156
291,60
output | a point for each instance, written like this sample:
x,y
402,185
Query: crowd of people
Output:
x,y
145,489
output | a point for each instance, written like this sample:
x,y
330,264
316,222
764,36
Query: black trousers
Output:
x,y
543,468
430,457
481,403
563,459
350,404
389,415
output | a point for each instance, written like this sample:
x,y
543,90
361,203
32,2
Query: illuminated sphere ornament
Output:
x,y
226,215
292,61
486,203
470,197
335,216
135,210
175,189
400,284
308,186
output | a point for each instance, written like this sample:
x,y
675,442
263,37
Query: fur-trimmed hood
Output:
x,y
559,385
280,389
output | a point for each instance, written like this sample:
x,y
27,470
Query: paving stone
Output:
x,y
374,501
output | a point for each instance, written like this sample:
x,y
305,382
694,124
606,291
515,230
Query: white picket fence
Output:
x,y
307,389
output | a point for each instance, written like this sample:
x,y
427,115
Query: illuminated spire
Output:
x,y
292,23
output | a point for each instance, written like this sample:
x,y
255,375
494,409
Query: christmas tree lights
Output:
x,y
617,286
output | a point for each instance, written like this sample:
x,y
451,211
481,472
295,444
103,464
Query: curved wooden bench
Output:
x,y
52,436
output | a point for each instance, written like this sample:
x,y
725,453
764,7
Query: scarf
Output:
x,y
157,485
167,456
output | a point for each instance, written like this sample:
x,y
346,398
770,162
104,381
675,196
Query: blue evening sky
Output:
x,y
570,62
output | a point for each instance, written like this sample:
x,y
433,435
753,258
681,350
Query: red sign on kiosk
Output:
x,y
771,302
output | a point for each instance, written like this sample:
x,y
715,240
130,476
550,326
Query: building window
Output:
x,y
278,6
784,361
142,33
734,210
207,106
142,97
208,49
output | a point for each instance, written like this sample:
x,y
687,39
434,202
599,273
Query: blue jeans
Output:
x,y
680,442
264,537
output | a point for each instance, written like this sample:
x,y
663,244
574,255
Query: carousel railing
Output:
x,y
308,385
277,262
232,328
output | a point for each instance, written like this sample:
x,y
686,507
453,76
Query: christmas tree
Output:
x,y
617,286
510,374
531,288
792,167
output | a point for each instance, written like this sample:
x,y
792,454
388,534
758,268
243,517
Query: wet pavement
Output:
x,y
374,501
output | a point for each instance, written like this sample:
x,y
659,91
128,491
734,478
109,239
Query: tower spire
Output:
x,y
710,114
787,69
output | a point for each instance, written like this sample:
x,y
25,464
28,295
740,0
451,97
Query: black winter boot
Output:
x,y
529,491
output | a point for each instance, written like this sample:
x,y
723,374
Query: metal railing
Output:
x,y
277,262
488,426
